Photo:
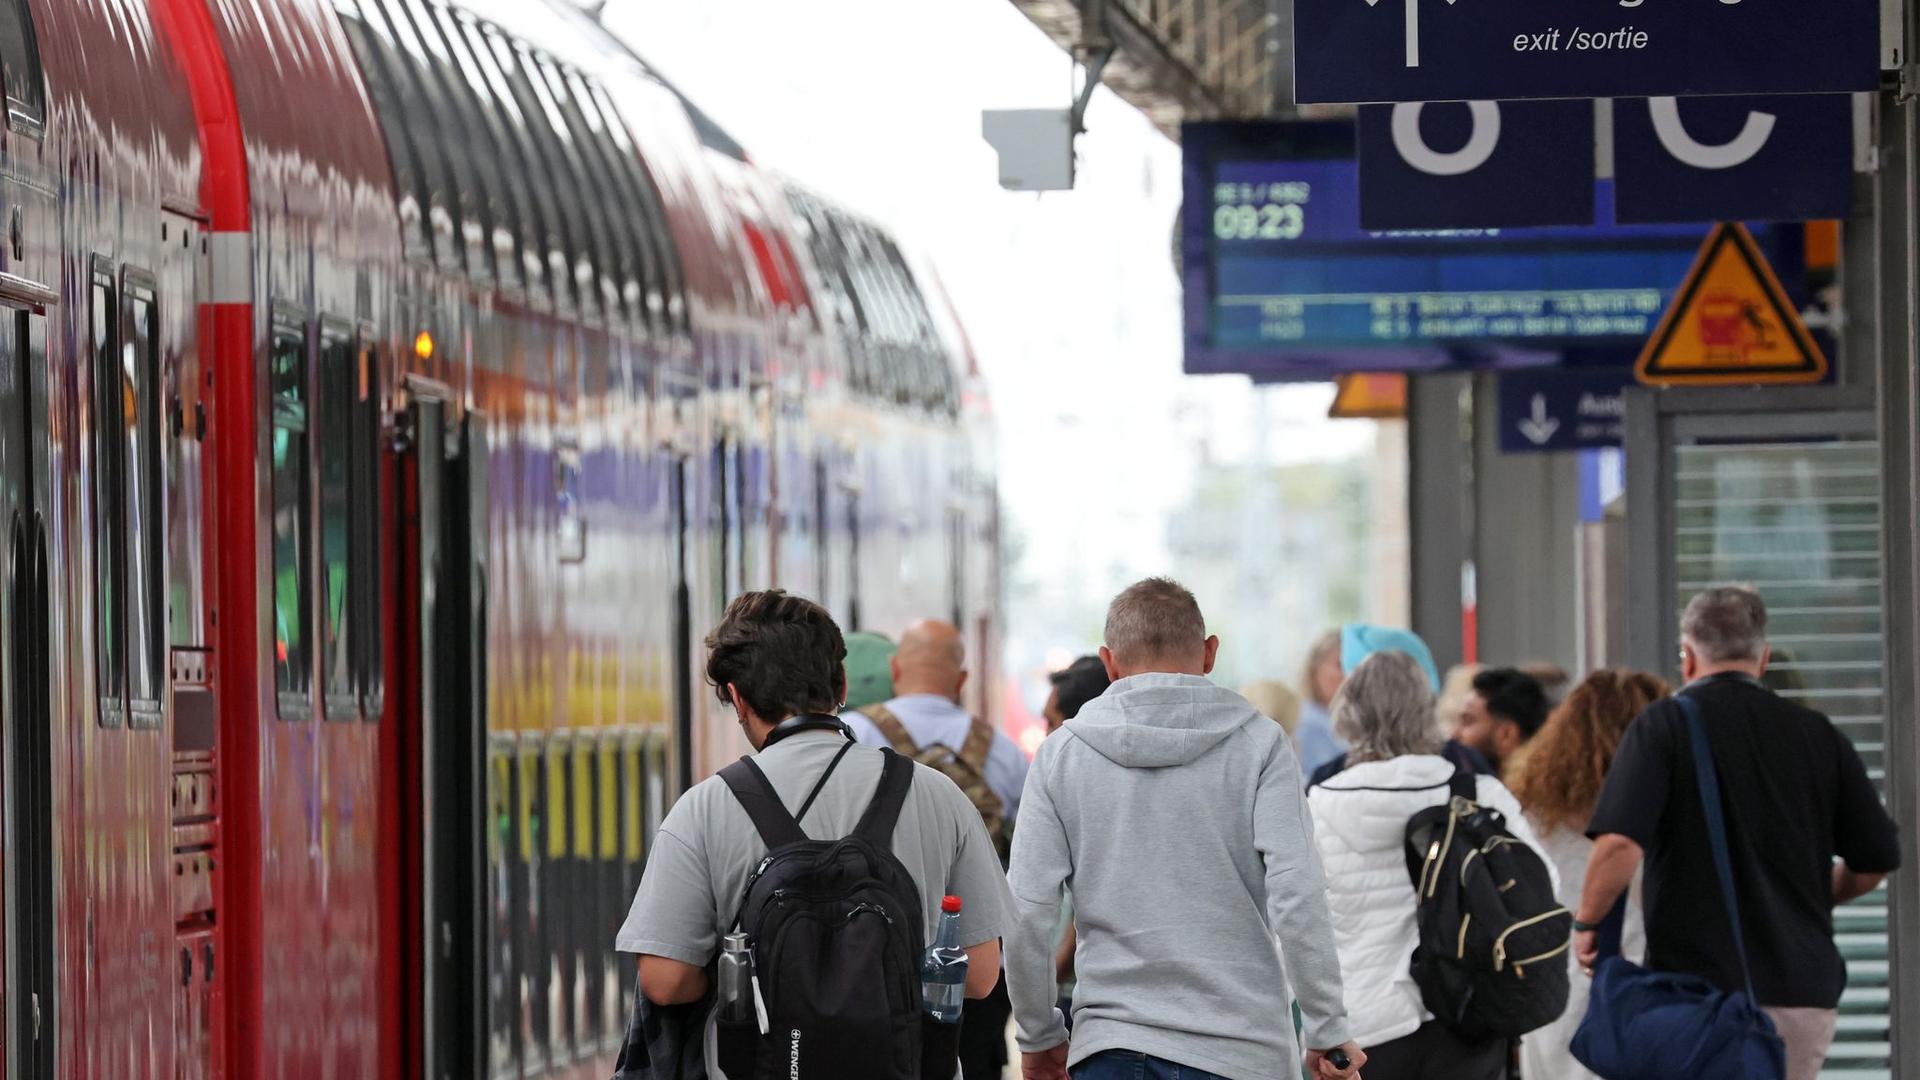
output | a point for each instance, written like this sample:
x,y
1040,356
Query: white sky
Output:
x,y
1070,298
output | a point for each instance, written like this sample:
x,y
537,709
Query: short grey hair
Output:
x,y
1154,619
1726,623
1385,710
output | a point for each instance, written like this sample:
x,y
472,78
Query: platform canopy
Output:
x,y
1179,60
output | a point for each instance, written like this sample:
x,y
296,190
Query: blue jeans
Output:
x,y
1128,1065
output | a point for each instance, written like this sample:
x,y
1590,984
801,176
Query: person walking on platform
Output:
x,y
776,660
1174,811
1557,779
1358,641
1073,686
1794,796
1506,708
1385,711
1318,683
925,721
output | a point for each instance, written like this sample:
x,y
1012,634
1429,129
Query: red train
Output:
x,y
391,393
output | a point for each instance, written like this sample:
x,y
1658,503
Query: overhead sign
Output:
x,y
1506,164
1781,158
1281,279
1730,323
1544,409
1476,164
1369,396
1465,50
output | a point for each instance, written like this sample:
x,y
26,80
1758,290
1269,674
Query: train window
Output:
x,y
335,397
377,62
642,289
559,185
408,76
596,240
667,297
370,657
469,192
287,370
490,150
540,238
620,277
109,524
20,56
139,436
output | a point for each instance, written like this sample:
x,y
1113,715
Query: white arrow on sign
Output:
x,y
1413,28
1539,427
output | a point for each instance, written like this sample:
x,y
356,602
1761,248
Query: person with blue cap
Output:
x,y
1361,640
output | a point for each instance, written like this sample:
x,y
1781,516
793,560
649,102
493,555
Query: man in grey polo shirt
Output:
x,y
776,658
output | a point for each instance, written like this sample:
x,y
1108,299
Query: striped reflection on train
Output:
x,y
392,392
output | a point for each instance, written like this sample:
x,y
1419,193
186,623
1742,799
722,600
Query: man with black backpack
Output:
x,y
829,859
926,722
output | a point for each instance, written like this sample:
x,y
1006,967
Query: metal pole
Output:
x,y
1899,370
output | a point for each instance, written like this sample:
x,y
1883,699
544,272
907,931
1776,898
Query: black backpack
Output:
x,y
836,935
1492,960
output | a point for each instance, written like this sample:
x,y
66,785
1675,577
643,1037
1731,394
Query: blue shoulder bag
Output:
x,y
1656,1025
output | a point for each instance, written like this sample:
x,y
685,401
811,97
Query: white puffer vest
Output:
x,y
1359,824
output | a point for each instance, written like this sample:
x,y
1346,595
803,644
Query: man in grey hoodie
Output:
x,y
1173,811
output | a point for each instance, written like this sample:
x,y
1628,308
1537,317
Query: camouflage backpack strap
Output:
x,y
893,729
979,743
972,773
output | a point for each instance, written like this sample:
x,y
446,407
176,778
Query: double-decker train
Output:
x,y
392,392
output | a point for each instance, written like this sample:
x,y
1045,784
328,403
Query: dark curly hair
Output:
x,y
783,653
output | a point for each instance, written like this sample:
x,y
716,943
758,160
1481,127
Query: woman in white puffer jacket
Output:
x,y
1385,711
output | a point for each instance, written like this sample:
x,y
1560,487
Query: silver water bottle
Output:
x,y
736,980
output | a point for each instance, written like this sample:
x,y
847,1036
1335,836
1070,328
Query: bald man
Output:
x,y
929,671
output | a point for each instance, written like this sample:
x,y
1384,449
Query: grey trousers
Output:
x,y
1808,1033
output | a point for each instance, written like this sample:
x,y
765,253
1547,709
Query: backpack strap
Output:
x,y
896,779
1708,780
892,728
762,804
1463,785
979,743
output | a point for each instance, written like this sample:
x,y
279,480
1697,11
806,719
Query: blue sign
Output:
x,y
1782,158
1481,164
1562,408
1280,278
1465,50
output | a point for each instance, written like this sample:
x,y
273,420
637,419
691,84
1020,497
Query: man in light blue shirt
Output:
x,y
929,672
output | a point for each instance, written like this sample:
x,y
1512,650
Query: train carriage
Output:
x,y
391,394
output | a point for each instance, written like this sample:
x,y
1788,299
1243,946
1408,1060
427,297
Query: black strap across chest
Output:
x,y
778,828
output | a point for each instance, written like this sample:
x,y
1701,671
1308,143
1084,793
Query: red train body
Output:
x,y
349,643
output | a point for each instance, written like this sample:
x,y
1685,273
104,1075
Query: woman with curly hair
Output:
x,y
1557,779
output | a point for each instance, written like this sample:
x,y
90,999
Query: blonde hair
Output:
x,y
1325,646
1275,700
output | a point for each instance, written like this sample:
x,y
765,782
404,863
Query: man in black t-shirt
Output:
x,y
1795,795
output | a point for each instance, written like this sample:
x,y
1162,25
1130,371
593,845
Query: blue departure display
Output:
x,y
1279,274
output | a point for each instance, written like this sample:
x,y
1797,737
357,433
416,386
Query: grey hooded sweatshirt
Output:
x,y
1174,812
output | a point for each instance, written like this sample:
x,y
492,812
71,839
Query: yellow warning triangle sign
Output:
x,y
1730,323
1369,396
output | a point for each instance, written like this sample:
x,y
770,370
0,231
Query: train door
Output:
x,y
682,621
442,751
29,1035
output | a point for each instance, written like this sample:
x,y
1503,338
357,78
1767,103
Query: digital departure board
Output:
x,y
1280,278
